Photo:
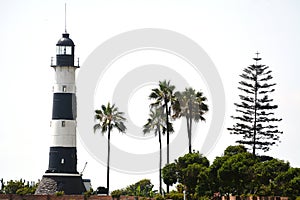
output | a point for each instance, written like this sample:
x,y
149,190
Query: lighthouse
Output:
x,y
62,174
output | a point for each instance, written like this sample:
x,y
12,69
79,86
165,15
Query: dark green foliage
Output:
x,y
233,150
191,158
174,195
242,173
18,187
263,158
236,173
288,183
239,172
203,185
159,197
182,164
142,188
266,171
87,194
190,176
59,193
169,174
255,110
116,194
13,186
191,170
214,178
232,171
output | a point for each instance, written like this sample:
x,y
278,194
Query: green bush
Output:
x,y
116,193
26,190
159,197
59,193
87,194
12,186
18,187
143,198
174,195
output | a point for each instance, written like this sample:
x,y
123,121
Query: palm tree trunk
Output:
x,y
160,162
189,118
168,136
190,135
108,160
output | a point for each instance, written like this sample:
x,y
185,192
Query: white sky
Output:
x,y
229,31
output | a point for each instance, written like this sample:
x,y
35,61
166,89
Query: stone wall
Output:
x,y
95,197
63,197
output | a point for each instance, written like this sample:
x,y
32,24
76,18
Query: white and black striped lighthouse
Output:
x,y
62,172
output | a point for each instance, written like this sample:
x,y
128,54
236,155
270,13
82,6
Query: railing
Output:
x,y
53,62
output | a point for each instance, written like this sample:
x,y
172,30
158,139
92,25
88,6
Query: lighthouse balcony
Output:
x,y
64,61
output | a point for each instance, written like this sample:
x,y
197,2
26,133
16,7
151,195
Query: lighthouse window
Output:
x,y
62,161
63,123
68,50
64,88
64,50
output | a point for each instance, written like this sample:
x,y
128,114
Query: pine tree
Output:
x,y
255,110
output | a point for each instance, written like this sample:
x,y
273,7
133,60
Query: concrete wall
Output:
x,y
253,198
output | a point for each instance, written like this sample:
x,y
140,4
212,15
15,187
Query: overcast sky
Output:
x,y
230,32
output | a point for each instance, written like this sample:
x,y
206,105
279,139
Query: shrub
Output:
x,y
116,194
159,197
87,194
174,195
59,193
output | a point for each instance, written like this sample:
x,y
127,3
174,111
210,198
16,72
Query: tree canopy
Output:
x,y
236,172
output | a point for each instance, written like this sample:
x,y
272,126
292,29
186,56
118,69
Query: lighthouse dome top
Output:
x,y
65,40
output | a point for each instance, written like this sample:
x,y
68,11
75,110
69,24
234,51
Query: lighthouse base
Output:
x,y
55,182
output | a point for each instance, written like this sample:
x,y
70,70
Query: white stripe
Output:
x,y
65,75
61,174
63,133
64,88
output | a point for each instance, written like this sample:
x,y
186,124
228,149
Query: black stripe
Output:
x,y
69,156
65,60
64,106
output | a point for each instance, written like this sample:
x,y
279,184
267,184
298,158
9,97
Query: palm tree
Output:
x,y
190,104
164,98
156,123
109,117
